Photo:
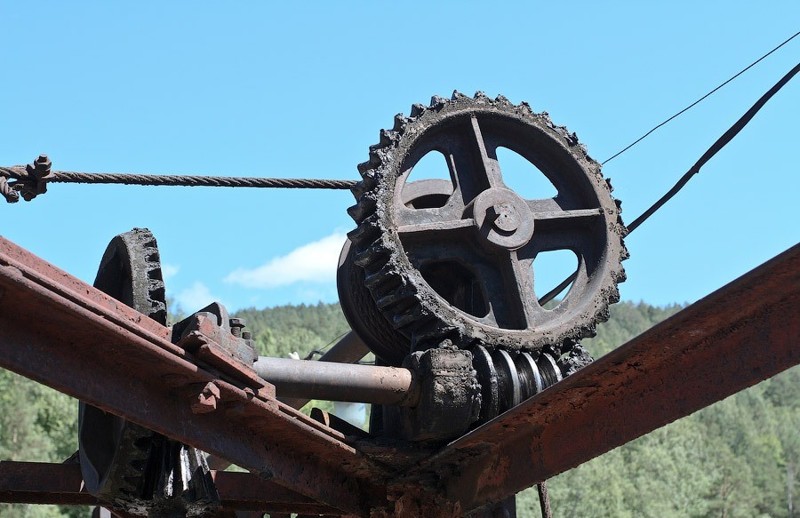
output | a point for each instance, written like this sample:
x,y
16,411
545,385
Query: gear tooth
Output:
x,y
417,110
386,138
366,184
525,108
372,254
437,101
457,96
480,96
572,138
374,159
410,317
399,298
503,100
138,464
613,297
608,184
363,208
380,279
363,167
430,333
367,230
373,162
399,122
144,443
132,481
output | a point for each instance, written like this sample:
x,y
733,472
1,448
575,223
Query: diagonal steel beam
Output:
x,y
65,334
61,484
735,337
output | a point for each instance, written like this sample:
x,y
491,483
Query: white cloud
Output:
x,y
195,297
169,270
314,262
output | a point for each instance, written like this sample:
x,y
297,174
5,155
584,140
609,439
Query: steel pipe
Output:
x,y
338,381
349,349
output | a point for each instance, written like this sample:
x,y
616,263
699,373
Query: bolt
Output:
x,y
41,166
206,400
237,325
504,217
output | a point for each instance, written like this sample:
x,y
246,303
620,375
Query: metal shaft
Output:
x,y
349,349
337,381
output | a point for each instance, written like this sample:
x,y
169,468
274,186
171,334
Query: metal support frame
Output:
x,y
61,332
61,484
739,335
64,333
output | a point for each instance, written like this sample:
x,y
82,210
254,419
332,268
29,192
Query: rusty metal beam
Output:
x,y
65,334
61,484
735,337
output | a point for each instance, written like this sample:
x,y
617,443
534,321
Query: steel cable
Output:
x,y
713,150
742,71
19,172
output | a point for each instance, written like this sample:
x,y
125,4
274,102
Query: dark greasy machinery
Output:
x,y
478,385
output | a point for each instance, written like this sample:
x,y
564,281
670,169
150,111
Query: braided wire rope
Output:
x,y
20,174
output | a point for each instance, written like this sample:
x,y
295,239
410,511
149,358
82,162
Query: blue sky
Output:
x,y
301,89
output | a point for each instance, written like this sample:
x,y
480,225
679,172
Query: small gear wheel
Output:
x,y
114,453
456,261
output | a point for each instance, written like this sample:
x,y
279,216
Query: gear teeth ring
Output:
x,y
413,308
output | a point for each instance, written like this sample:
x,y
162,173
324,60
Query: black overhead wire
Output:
x,y
719,144
698,101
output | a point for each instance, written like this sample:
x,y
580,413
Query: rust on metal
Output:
x,y
61,484
92,347
741,334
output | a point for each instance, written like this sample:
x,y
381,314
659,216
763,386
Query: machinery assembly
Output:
x,y
479,384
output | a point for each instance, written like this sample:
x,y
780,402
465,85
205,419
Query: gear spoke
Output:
x,y
507,309
524,288
491,167
438,227
567,217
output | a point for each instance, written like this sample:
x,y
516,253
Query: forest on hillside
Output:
x,y
737,458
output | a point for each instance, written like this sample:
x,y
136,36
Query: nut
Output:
x,y
206,400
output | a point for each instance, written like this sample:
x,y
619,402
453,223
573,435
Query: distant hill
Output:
x,y
737,458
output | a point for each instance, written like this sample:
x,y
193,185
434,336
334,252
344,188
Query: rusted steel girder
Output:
x,y
741,334
61,484
65,334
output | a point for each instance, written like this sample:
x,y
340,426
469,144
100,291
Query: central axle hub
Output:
x,y
503,218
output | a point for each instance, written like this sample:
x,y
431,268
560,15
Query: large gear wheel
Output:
x,y
462,266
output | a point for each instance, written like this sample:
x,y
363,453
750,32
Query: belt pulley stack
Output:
x,y
437,280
